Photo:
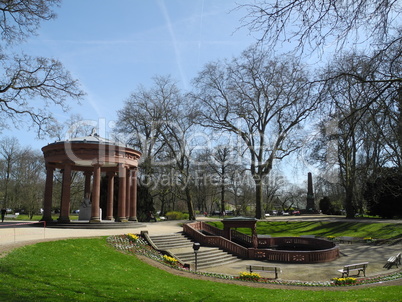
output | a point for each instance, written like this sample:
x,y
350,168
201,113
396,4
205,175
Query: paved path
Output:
x,y
12,233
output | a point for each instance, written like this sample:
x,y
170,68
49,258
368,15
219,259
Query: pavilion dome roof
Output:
x,y
93,138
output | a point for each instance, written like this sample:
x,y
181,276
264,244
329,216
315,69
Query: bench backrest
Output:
x,y
264,268
355,266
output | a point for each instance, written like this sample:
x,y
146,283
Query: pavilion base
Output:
x,y
95,220
124,220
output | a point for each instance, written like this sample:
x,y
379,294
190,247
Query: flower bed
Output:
x,y
135,244
344,281
170,260
246,276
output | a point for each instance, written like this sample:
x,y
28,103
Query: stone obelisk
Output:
x,y
310,195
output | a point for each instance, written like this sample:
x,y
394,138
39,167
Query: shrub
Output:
x,y
174,215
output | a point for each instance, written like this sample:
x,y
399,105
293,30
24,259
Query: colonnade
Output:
x,y
127,194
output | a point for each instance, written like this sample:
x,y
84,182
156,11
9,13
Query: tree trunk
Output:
x,y
258,197
191,214
222,198
399,127
348,203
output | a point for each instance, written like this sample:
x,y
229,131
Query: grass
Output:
x,y
92,270
324,229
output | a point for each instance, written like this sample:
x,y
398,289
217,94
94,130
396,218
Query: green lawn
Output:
x,y
91,270
324,229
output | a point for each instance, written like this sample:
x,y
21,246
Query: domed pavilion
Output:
x,y
93,156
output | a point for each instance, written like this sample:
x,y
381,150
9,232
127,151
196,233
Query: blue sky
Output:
x,y
114,46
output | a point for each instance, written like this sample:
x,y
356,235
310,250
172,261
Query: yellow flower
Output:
x,y
132,237
170,260
249,276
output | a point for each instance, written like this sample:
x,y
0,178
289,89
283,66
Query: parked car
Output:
x,y
274,212
285,213
296,212
267,215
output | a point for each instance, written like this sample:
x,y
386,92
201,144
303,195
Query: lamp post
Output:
x,y
196,247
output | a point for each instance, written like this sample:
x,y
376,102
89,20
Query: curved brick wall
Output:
x,y
296,250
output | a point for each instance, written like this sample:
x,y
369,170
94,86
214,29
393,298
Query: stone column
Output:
x,y
65,194
128,191
47,200
121,211
133,196
310,194
110,196
95,209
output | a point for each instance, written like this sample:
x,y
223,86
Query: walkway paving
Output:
x,y
18,233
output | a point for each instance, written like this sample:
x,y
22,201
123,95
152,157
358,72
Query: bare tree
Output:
x,y
20,19
29,178
262,101
158,121
21,177
177,128
274,183
75,126
312,25
220,164
9,149
29,86
364,109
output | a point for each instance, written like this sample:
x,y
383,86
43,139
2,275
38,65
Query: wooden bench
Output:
x,y
272,269
359,267
393,260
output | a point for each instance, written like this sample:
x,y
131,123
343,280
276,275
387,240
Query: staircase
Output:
x,y
172,241
181,248
206,257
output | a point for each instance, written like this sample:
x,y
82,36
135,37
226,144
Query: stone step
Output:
x,y
181,248
204,252
206,257
176,245
171,241
217,261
